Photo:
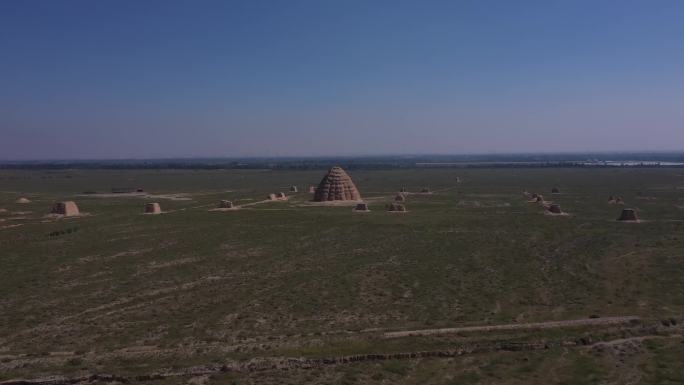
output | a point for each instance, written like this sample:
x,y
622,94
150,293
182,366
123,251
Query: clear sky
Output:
x,y
145,79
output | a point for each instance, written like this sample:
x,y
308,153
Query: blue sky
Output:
x,y
120,79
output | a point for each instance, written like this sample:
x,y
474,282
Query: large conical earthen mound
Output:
x,y
336,186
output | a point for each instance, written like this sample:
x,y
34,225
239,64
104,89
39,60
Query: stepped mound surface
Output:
x,y
336,186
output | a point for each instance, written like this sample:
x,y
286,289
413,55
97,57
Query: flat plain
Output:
x,y
289,292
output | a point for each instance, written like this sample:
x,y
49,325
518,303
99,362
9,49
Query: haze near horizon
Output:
x,y
112,79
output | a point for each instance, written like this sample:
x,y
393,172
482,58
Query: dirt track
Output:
x,y
639,332
532,325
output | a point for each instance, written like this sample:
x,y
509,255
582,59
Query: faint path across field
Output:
x,y
260,202
532,325
254,364
257,364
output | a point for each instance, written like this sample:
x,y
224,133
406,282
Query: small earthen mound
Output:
x,y
22,200
293,189
152,208
396,207
611,199
272,197
619,201
362,207
628,215
555,208
539,199
68,209
400,198
224,204
555,190
336,185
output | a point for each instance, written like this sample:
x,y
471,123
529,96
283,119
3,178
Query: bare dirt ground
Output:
x,y
549,213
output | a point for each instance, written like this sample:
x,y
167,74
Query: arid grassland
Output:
x,y
286,292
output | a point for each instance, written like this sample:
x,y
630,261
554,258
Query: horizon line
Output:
x,y
348,156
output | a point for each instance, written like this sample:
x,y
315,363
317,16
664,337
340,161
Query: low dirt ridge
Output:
x,y
533,325
670,328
